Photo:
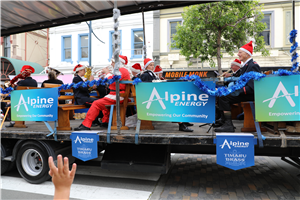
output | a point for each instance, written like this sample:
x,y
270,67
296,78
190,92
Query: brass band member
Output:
x,y
236,68
244,94
159,72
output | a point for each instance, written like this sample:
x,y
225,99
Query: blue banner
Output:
x,y
277,98
174,102
235,151
34,104
85,145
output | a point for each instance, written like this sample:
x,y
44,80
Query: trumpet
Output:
x,y
228,71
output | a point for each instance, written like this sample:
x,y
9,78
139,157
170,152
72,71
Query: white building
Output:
x,y
69,43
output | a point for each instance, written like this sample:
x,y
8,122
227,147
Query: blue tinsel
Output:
x,y
293,51
7,90
223,91
136,81
283,72
293,34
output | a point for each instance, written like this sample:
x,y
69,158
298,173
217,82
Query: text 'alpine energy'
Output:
x,y
35,102
178,99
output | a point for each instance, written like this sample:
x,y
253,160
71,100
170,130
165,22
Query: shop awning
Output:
x,y
24,16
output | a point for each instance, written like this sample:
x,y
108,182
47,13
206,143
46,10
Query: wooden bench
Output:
x,y
249,125
66,111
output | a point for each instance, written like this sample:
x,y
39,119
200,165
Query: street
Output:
x,y
192,176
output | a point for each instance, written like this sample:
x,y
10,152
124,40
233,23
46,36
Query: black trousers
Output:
x,y
225,102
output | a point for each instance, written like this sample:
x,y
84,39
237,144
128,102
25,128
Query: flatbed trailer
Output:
x,y
149,150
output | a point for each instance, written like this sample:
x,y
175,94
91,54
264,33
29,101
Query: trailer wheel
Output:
x,y
3,166
32,162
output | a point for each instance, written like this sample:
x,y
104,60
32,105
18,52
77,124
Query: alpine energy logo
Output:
x,y
38,102
84,140
182,99
151,99
281,88
237,144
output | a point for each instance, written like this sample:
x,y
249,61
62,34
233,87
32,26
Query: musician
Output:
x,y
148,75
25,74
52,78
28,81
236,68
244,94
159,72
136,70
109,99
81,94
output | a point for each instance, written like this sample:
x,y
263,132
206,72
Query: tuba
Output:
x,y
22,75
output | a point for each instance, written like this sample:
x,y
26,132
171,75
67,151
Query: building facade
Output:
x,y
31,46
278,17
69,43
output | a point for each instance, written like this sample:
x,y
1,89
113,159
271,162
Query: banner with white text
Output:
x,y
174,102
34,105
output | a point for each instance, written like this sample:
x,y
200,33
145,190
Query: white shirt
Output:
x,y
246,62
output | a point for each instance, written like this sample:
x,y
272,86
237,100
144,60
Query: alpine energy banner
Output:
x,y
34,105
174,102
277,98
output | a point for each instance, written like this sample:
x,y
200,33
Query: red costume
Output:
x,y
110,99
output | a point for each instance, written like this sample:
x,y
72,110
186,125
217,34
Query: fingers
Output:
x,y
73,170
66,165
59,164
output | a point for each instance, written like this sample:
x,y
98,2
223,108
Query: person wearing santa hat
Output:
x,y
124,61
136,70
81,94
26,72
159,71
148,75
244,94
235,66
109,99
28,81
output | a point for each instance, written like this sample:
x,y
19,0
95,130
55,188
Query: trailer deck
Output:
x,y
165,133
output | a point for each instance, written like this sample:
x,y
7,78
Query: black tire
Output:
x,y
32,162
3,166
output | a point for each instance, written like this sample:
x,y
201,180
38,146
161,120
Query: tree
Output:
x,y
208,29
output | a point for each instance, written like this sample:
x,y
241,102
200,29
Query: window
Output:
x,y
83,47
137,42
172,32
66,48
7,46
266,32
288,26
111,43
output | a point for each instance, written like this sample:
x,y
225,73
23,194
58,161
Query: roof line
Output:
x,y
17,3
68,2
89,5
53,9
18,15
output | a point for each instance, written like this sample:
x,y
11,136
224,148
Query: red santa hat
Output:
x,y
78,67
158,70
248,48
147,61
27,68
137,68
123,59
237,62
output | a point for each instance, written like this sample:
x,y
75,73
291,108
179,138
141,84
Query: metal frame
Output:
x,y
136,8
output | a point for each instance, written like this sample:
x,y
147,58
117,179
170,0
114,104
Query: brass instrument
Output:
x,y
228,71
87,75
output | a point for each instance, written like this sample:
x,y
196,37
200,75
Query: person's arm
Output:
x,y
62,178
